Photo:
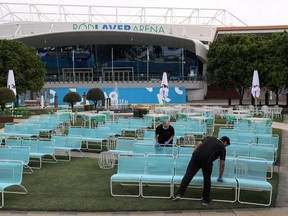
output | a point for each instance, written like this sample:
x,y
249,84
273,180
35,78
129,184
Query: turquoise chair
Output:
x,y
131,168
11,175
251,174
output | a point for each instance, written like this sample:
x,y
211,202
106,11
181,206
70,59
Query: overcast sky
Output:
x,y
252,12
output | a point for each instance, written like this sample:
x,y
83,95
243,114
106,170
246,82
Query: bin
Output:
x,y
136,113
143,112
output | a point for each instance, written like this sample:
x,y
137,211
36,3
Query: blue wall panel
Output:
x,y
177,95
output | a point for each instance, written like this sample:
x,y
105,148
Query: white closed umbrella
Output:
x,y
11,81
255,90
164,88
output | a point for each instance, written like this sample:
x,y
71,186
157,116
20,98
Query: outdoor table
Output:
x,y
256,119
156,116
63,112
241,111
90,115
200,118
192,114
187,115
111,113
237,116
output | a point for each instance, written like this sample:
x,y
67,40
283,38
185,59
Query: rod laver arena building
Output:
x,y
122,50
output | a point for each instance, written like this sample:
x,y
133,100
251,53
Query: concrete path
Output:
x,y
282,126
282,198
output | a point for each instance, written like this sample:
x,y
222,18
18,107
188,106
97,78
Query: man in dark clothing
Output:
x,y
164,134
205,153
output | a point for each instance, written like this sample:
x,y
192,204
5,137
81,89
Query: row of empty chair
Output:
x,y
250,138
47,124
42,148
145,171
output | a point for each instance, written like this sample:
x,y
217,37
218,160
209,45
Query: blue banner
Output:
x,y
176,95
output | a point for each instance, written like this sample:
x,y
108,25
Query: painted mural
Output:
x,y
177,95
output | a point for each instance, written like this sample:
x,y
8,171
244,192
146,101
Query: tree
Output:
x,y
275,67
232,60
72,98
7,96
95,94
28,68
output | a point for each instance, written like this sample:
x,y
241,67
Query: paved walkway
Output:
x,y
282,198
280,210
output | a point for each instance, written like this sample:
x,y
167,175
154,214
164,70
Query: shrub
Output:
x,y
7,96
71,98
95,94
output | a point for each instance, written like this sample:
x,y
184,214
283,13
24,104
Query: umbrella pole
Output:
x,y
256,104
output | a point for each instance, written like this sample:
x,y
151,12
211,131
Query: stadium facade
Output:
x,y
122,50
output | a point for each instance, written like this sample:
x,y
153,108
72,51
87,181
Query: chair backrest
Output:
x,y
263,129
159,164
278,110
107,113
98,118
275,141
87,133
32,144
65,117
131,163
172,150
74,142
263,151
189,140
251,168
241,150
46,146
226,130
229,170
188,150
102,132
21,153
144,148
11,171
60,140
114,128
10,128
5,153
230,151
1,138
75,131
181,163
13,141
149,134
269,139
197,128
247,137
125,144
210,121
33,129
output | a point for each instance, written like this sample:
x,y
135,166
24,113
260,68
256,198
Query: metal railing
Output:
x,y
27,12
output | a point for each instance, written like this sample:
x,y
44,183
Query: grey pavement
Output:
x,y
281,208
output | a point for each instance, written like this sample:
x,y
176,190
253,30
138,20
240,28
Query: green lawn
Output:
x,y
80,185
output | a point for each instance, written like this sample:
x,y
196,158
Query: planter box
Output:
x,y
6,119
